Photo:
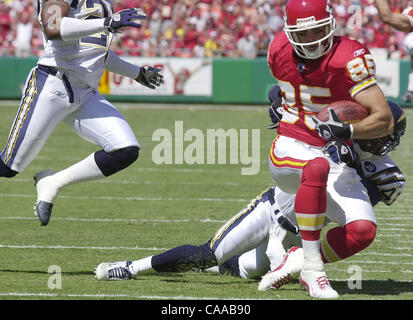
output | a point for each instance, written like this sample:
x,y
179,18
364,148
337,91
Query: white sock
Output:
x,y
312,256
140,265
84,170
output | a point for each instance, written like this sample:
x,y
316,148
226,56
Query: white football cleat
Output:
x,y
317,285
46,195
113,271
214,269
285,272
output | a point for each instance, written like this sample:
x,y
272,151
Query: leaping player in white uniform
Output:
x,y
63,87
256,239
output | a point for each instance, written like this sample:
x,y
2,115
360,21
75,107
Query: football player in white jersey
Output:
x,y
63,87
256,239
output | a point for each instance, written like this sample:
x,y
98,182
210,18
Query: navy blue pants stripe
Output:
x,y
31,92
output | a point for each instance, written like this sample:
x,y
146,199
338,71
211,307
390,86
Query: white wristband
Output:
x,y
352,131
116,64
72,29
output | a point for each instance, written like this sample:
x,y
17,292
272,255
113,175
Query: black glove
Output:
x,y
341,153
333,128
124,18
150,77
276,112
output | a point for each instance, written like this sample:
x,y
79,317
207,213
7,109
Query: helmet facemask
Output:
x,y
323,45
379,146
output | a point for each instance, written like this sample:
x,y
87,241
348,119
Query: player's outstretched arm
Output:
x,y
147,76
58,26
116,64
399,21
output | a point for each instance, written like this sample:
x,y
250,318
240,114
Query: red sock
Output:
x,y
311,199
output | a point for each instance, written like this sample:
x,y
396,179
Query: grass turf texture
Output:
x,y
148,208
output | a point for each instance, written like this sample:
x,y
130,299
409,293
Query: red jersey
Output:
x,y
309,85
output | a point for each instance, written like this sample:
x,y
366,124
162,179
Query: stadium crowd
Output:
x,y
205,28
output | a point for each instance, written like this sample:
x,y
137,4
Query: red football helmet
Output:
x,y
301,15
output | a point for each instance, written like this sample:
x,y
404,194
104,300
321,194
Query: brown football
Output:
x,y
348,111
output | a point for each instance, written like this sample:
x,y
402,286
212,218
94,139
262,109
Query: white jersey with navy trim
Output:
x,y
83,58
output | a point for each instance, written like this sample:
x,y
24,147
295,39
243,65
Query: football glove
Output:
x,y
150,77
124,18
340,152
276,112
333,128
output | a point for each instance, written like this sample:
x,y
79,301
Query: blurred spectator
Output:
x,y
246,47
211,45
155,24
187,28
23,38
5,30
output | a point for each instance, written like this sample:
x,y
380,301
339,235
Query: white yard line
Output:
x,y
119,220
376,271
167,106
20,195
87,295
33,246
105,181
351,261
14,246
206,220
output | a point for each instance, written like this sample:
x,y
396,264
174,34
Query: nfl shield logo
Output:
x,y
300,67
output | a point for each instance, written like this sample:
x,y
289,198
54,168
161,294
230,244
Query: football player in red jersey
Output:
x,y
314,68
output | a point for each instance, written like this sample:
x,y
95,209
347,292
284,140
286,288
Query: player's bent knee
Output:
x,y
112,162
315,172
130,155
362,232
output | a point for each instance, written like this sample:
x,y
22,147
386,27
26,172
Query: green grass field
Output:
x,y
148,208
